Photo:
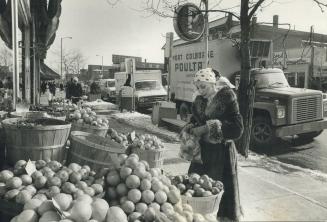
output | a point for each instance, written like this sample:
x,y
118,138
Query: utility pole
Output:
x,y
311,68
206,32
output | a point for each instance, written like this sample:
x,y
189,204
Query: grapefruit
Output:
x,y
113,178
147,196
32,204
149,215
14,183
5,175
116,214
133,181
80,211
23,196
141,207
134,195
160,197
145,184
99,209
125,172
27,216
63,200
50,216
128,207
121,189
26,179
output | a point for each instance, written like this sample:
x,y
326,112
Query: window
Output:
x,y
259,48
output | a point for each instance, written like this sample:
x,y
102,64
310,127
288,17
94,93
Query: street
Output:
x,y
306,154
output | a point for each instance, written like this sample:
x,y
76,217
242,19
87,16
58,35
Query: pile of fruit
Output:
x,y
147,142
47,180
194,185
63,103
87,116
145,194
120,138
30,123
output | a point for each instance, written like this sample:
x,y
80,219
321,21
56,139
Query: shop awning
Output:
x,y
46,73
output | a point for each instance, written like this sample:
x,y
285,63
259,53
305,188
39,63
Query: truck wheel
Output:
x,y
310,135
263,133
184,110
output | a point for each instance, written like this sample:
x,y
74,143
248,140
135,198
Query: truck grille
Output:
x,y
154,99
306,109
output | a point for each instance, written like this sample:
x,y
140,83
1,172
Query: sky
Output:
x,y
99,27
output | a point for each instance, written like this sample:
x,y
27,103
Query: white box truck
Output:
x,y
148,87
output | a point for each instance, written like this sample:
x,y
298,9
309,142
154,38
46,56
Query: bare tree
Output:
x,y
73,61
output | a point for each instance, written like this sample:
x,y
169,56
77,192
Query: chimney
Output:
x,y
275,21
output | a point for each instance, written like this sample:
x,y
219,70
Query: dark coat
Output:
x,y
218,151
74,90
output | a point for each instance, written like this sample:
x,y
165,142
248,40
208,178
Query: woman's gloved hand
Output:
x,y
187,128
200,130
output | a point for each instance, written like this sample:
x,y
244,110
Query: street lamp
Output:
x,y
101,65
67,37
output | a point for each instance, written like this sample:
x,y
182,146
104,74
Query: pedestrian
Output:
x,y
1,84
216,120
61,86
75,90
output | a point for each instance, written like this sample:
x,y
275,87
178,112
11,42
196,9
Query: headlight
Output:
x,y
280,112
141,99
325,106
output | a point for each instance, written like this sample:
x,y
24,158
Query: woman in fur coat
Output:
x,y
217,121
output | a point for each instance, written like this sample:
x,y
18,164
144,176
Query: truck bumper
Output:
x,y
301,128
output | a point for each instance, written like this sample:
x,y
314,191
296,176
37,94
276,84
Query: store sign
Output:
x,y
189,22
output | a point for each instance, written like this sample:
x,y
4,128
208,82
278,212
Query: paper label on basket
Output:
x,y
30,167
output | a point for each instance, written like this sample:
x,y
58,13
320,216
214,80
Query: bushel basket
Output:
x,y
93,150
100,131
204,205
154,158
43,141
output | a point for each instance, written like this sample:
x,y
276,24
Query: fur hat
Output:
x,y
75,79
205,75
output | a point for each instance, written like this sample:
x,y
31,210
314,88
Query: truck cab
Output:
x,y
281,110
108,89
148,87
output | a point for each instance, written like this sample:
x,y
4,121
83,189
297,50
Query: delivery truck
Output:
x,y
279,109
147,84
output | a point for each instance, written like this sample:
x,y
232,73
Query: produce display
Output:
x,y
194,185
62,103
145,194
147,142
123,139
30,123
85,116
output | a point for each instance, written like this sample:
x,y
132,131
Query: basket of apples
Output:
x,y
201,192
86,120
149,148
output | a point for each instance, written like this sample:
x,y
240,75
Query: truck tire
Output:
x,y
184,110
263,132
310,135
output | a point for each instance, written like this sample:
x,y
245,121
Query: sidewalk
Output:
x,y
270,190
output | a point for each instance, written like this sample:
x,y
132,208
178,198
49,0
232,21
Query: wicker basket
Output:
x,y
154,158
204,205
37,142
95,151
100,131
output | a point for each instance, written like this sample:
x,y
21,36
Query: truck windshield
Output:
x,y
271,80
147,85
